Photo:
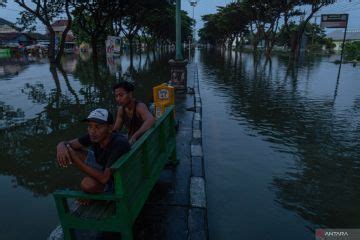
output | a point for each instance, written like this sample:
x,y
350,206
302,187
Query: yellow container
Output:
x,y
164,94
160,108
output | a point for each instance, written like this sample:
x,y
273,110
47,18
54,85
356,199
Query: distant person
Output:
x,y
104,148
131,114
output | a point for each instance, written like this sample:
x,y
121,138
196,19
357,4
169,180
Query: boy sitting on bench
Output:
x,y
104,148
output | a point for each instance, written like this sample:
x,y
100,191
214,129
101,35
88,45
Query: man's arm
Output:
x,y
62,153
118,122
148,119
102,177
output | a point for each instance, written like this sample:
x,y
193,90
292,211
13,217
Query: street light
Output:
x,y
177,3
189,38
193,3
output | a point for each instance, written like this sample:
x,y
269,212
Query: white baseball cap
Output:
x,y
100,115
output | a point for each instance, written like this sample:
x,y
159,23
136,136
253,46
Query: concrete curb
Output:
x,y
198,228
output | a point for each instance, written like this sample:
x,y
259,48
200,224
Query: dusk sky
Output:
x,y
352,7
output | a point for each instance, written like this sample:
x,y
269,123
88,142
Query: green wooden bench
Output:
x,y
135,174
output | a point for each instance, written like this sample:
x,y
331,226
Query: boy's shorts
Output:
x,y
91,162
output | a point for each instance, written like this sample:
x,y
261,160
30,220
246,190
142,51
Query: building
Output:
x,y
59,27
7,27
15,39
10,35
41,39
352,35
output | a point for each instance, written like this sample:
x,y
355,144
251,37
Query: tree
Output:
x,y
93,20
287,33
233,21
133,20
226,25
316,36
154,19
46,12
157,26
265,17
352,51
262,18
315,5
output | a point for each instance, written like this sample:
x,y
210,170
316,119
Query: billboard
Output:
x,y
113,45
334,20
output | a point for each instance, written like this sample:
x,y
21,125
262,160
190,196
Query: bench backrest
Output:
x,y
137,171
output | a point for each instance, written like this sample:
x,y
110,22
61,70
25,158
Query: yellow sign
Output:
x,y
164,93
163,98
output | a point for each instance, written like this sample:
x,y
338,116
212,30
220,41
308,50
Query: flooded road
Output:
x,y
281,145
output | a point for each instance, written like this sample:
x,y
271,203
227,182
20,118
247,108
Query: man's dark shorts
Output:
x,y
91,162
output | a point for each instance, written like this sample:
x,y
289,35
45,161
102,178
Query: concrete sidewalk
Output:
x,y
176,207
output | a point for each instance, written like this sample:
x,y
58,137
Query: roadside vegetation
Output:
x,y
352,51
150,22
267,24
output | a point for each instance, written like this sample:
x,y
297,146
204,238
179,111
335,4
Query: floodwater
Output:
x,y
41,105
281,145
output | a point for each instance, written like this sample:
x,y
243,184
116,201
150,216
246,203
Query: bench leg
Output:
x,y
127,235
173,158
68,234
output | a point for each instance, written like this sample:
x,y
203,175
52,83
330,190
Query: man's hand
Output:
x,y
132,140
73,156
62,154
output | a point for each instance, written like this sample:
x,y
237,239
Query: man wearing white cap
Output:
x,y
104,148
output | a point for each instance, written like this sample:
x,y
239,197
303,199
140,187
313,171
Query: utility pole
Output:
x,y
314,27
343,45
194,3
178,71
179,55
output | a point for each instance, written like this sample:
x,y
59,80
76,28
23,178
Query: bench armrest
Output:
x,y
141,140
83,195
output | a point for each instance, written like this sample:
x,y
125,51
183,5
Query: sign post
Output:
x,y
336,21
164,97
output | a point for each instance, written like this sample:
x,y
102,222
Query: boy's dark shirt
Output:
x,y
117,146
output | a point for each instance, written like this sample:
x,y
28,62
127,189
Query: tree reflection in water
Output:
x,y
28,147
323,184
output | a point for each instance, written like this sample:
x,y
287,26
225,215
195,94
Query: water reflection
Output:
x,y
44,104
9,115
294,109
11,66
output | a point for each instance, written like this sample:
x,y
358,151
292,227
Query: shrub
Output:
x,y
352,51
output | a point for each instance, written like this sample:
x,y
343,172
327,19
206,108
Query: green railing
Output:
x,y
135,174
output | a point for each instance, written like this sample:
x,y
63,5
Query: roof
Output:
x,y
60,23
13,35
38,36
6,22
338,35
69,38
